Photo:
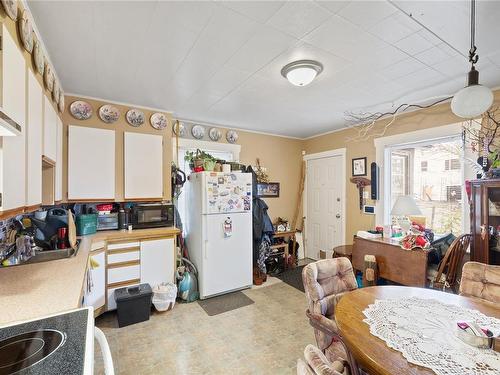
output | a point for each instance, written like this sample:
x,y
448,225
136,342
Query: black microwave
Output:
x,y
152,215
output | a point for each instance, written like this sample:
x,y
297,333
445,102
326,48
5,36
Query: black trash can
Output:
x,y
133,304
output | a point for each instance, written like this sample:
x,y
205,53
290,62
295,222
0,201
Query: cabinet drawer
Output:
x,y
121,274
123,256
111,295
122,245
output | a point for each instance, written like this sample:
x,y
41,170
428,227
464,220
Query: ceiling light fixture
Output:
x,y
474,99
301,72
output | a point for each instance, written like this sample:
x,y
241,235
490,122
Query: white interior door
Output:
x,y
227,259
324,218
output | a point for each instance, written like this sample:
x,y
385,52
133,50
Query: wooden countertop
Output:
x,y
34,290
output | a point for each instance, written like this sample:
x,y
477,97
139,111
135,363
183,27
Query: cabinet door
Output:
x,y
13,79
91,163
34,142
49,130
59,160
157,261
97,295
143,154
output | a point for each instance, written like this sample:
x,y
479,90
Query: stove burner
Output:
x,y
27,349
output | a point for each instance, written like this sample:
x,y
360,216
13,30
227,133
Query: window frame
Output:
x,y
389,150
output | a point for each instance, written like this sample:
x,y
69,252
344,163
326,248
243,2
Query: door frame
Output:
x,y
341,152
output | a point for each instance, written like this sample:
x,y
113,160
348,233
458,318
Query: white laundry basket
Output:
x,y
164,296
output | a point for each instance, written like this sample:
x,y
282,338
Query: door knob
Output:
x,y
337,216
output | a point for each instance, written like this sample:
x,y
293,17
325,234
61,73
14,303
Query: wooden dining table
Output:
x,y
372,353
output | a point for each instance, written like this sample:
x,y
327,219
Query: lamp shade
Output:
x,y
472,101
405,205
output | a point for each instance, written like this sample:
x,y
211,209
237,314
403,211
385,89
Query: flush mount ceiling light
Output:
x,y
301,72
474,99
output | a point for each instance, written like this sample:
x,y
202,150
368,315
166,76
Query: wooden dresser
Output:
x,y
406,267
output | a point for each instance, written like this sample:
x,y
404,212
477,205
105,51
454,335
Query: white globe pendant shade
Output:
x,y
302,72
472,101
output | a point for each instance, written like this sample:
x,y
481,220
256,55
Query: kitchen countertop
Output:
x,y
34,290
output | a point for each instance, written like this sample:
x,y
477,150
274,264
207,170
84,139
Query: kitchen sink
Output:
x,y
48,255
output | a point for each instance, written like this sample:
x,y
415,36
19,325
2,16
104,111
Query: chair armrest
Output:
x,y
323,324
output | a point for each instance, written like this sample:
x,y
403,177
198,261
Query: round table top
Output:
x,y
371,352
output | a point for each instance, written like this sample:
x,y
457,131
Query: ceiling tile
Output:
x,y
413,44
394,28
263,46
344,39
456,67
421,78
298,18
258,10
365,14
333,6
402,68
434,55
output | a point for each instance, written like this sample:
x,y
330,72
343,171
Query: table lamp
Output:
x,y
405,206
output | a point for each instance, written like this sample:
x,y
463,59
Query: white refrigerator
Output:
x,y
219,230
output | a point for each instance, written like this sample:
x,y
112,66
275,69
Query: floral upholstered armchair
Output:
x,y
325,282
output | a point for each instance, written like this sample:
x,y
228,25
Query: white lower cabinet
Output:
x,y
157,261
97,295
133,263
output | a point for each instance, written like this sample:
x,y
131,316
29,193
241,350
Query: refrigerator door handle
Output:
x,y
205,252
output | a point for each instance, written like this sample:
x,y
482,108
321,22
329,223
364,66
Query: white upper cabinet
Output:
x,y
13,153
143,162
59,160
49,130
13,70
34,142
91,163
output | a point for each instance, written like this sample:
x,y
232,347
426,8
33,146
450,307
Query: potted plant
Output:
x,y
200,160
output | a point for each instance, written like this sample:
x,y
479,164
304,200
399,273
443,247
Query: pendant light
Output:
x,y
474,99
302,72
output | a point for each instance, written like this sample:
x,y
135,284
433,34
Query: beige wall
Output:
x,y
120,126
282,157
422,119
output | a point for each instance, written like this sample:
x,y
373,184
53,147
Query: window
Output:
x,y
451,164
417,170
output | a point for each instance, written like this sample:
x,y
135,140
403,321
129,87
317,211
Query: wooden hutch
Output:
x,y
485,221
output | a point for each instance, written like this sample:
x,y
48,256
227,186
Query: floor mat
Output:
x,y
227,302
293,277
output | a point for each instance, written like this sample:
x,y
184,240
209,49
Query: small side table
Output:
x,y
291,235
343,251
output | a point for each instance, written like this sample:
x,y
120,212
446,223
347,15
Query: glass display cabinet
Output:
x,y
485,221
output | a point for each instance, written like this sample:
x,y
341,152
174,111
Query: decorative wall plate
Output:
x,y
61,101
26,30
182,129
56,91
38,57
80,110
135,117
215,134
48,77
10,7
232,136
159,121
198,131
109,113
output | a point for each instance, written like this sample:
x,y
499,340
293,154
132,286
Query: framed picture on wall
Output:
x,y
269,190
359,166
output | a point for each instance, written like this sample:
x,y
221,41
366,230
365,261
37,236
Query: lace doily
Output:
x,y
423,330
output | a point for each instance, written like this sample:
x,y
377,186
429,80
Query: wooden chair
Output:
x,y
446,274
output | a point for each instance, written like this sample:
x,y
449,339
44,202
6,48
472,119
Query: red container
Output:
x,y
104,207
